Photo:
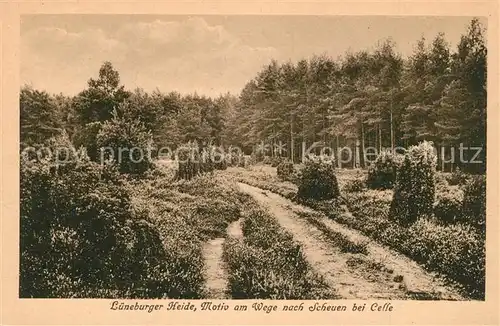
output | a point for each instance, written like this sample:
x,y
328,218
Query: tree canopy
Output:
x,y
374,98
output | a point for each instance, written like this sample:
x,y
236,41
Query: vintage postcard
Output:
x,y
249,163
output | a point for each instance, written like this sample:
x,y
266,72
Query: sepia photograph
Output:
x,y
263,157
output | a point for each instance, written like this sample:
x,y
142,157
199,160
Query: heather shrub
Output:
x,y
222,165
79,235
382,173
474,204
355,185
275,161
183,259
193,162
219,158
441,180
249,160
267,160
257,156
415,184
232,159
269,264
244,161
317,181
448,207
457,177
241,162
285,171
189,163
455,250
212,216
206,164
127,143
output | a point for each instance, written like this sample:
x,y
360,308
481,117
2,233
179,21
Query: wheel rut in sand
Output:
x,y
215,268
352,275
215,271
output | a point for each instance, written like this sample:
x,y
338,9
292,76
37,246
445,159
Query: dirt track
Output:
x,y
378,273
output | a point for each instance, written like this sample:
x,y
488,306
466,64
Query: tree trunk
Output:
x,y
392,131
324,127
363,161
441,156
274,142
339,158
379,138
292,144
304,134
356,159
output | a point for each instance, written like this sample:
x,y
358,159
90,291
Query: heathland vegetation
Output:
x,y
106,212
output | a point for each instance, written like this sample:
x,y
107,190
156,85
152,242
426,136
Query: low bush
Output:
x,y
455,250
258,156
474,204
212,216
183,259
457,178
286,171
382,173
448,207
369,212
441,182
275,161
231,159
269,264
355,185
317,181
249,161
219,158
267,160
81,237
194,162
415,185
244,161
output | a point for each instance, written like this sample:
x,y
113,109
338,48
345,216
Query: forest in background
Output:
x,y
101,227
373,98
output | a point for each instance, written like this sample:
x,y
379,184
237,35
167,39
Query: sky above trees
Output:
x,y
206,54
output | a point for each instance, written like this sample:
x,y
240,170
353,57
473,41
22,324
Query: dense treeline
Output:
x,y
374,98
170,119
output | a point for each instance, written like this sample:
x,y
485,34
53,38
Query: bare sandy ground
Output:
x,y
378,273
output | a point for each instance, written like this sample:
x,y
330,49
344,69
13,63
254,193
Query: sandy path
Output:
x,y
215,272
234,230
380,274
215,269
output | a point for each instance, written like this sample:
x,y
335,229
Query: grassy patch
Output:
x,y
338,239
269,264
457,251
186,214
